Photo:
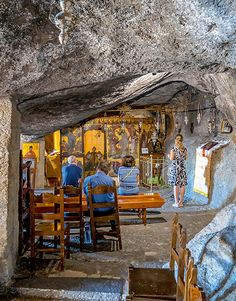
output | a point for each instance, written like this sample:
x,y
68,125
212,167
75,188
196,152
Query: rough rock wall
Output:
x,y
113,38
9,187
223,165
112,43
213,249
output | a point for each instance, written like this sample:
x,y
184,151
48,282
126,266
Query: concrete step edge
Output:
x,y
70,294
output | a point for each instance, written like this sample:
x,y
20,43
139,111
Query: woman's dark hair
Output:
x,y
181,136
128,161
104,166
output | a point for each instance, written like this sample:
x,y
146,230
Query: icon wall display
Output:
x,y
226,127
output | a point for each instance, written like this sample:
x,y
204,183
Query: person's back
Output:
x,y
71,174
100,178
128,177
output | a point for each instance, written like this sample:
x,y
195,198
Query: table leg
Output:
x,y
144,216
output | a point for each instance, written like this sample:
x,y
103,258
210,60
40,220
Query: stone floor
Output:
x,y
143,246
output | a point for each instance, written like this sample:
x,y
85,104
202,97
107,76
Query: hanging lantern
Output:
x,y
154,137
198,114
186,117
123,125
210,126
176,125
163,122
157,122
105,121
140,123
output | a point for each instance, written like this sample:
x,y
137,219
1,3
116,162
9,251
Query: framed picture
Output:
x,y
225,127
30,150
144,150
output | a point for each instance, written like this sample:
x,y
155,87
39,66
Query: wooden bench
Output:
x,y
141,201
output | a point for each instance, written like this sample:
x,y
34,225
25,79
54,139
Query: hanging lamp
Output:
x,y
185,116
199,117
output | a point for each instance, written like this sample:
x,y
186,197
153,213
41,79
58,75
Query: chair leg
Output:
x,y
41,246
81,236
119,236
94,238
67,243
32,257
62,253
120,243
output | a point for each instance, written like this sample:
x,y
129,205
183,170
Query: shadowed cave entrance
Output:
x,y
130,120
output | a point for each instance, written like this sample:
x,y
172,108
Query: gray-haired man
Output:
x,y
71,173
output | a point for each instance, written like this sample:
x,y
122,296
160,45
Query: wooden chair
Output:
x,y
73,210
105,220
160,282
47,221
192,291
187,288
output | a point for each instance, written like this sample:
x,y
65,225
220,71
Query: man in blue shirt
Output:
x,y
100,178
72,173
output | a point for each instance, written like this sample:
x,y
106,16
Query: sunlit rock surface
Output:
x,y
113,44
214,250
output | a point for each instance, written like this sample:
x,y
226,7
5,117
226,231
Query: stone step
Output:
x,y
72,288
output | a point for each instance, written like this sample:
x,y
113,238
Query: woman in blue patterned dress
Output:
x,y
177,174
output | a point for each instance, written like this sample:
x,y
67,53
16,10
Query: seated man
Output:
x,y
100,178
72,173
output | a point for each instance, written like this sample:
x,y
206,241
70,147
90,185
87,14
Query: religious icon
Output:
x,y
226,127
30,151
91,161
71,142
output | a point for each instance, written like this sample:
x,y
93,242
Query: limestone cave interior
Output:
x,y
100,80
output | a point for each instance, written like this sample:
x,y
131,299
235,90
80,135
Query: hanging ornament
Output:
x,y
123,125
210,126
186,116
163,122
157,123
105,121
176,124
140,123
154,137
176,121
198,114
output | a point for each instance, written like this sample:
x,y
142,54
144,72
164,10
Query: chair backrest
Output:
x,y
68,189
178,240
187,288
43,206
192,291
102,189
46,208
72,202
71,190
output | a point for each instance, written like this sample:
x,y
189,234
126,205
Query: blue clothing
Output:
x,y
100,178
71,174
128,180
128,191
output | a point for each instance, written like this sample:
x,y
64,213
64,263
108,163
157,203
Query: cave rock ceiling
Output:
x,y
136,51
